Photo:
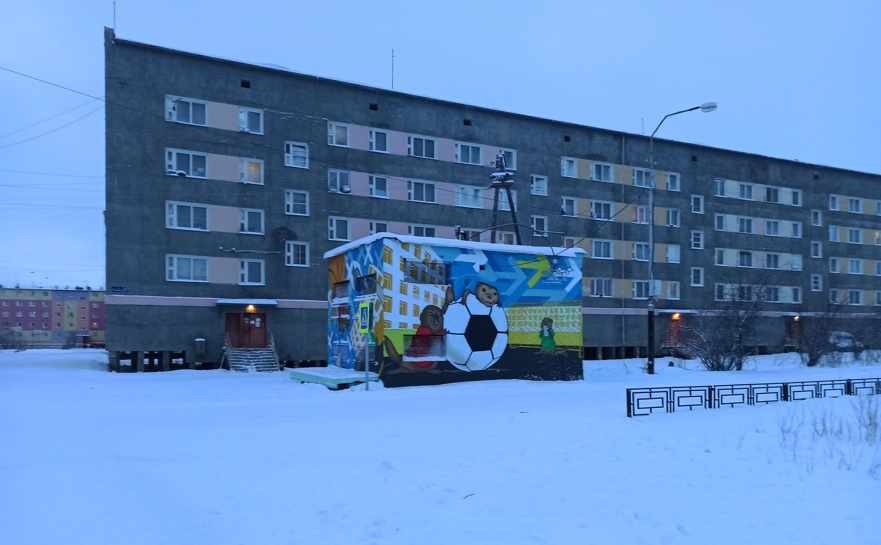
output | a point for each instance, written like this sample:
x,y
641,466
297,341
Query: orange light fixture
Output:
x,y
676,316
250,308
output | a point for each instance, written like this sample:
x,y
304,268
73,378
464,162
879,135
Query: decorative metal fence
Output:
x,y
644,401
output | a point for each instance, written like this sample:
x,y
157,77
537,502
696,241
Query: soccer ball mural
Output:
x,y
476,331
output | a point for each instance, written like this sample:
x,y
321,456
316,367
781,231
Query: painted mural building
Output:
x,y
428,311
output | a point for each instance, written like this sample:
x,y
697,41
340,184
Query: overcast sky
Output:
x,y
793,80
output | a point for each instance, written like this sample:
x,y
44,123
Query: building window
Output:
x,y
601,249
720,222
539,226
186,163
672,290
186,216
696,276
506,237
796,229
878,208
251,272
378,227
720,257
469,196
570,242
601,172
510,158
640,289
833,233
601,287
296,203
473,235
772,294
468,154
772,194
640,251
337,134
673,253
816,282
377,186
854,236
772,261
697,204
568,167
538,185
796,197
697,240
185,110
816,249
745,192
854,266
296,254
378,141
338,228
854,297
816,218
720,187
833,264
421,230
251,171
600,210
338,181
672,181
641,214
420,192
833,296
878,268
772,228
854,205
833,202
570,207
184,268
419,146
745,225
745,259
672,217
504,205
296,154
251,120
642,178
251,221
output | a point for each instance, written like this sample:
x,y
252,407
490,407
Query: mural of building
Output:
x,y
425,310
244,176
51,318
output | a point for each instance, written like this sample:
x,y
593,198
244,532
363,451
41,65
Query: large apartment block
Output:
x,y
51,318
227,182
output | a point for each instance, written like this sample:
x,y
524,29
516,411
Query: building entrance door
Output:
x,y
246,330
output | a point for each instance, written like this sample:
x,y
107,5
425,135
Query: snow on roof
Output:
x,y
484,246
262,302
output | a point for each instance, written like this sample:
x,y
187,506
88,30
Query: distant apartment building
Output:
x,y
51,318
227,182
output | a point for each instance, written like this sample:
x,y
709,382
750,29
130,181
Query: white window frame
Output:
x,y
469,196
173,263
772,228
834,235
421,230
772,194
414,142
641,289
503,200
568,167
296,154
696,239
245,272
854,205
674,253
855,297
601,210
745,192
337,134
697,204
378,145
335,225
538,185
570,207
642,177
468,154
377,186
816,282
833,202
602,249
602,287
854,266
795,229
772,261
174,105
833,265
745,259
294,249
641,214
291,208
720,187
539,230
247,167
418,191
640,251
339,181
854,235
245,120
378,227
173,219
510,158
602,172
816,248
817,218
744,225
796,197
247,216
674,181
673,290
172,162
673,217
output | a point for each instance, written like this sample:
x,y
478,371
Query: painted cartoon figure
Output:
x,y
546,334
431,324
466,285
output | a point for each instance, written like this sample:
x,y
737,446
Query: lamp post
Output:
x,y
650,341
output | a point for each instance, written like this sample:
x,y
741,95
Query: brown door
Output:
x,y
246,330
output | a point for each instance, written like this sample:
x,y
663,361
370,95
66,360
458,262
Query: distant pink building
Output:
x,y
51,318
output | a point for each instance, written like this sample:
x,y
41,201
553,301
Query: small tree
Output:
x,y
722,338
813,337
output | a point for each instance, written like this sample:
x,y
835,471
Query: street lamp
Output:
x,y
706,107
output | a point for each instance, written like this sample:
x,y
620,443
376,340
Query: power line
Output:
x,y
46,119
56,129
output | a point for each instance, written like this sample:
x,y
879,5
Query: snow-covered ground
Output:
x,y
191,457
